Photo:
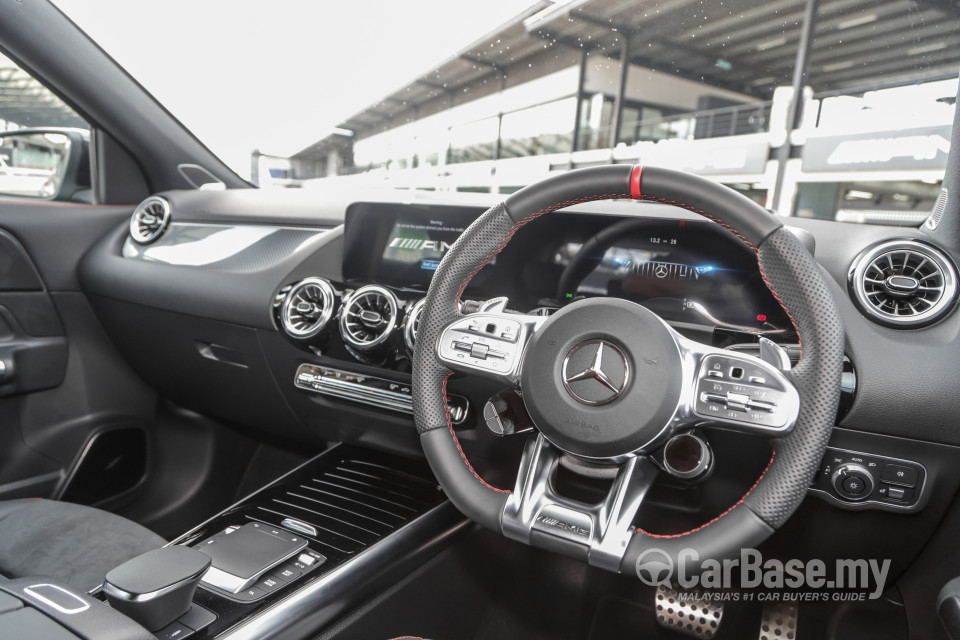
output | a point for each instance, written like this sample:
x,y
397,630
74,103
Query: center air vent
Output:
x,y
308,308
904,283
149,219
368,317
412,324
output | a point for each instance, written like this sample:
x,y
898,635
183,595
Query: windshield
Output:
x,y
833,109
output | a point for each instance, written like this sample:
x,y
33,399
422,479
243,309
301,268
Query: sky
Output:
x,y
279,75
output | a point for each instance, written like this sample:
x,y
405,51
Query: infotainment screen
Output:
x,y
399,245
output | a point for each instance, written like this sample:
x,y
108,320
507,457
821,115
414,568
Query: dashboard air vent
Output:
x,y
308,308
149,219
904,283
412,324
368,317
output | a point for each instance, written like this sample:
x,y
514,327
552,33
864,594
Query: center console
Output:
x,y
289,558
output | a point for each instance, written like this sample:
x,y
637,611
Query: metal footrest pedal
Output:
x,y
689,612
779,621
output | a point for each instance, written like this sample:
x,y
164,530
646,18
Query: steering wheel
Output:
x,y
609,382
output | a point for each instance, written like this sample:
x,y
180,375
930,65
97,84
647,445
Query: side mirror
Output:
x,y
46,164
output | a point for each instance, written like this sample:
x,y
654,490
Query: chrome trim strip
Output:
x,y
299,527
50,603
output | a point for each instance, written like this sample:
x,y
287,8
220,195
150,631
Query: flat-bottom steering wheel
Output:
x,y
607,381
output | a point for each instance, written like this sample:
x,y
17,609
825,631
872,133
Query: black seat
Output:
x,y
70,542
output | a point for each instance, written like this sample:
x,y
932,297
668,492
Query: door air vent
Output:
x,y
368,317
351,504
149,220
904,283
308,308
412,324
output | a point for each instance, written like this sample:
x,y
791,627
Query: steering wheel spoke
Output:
x,y
489,343
599,533
736,391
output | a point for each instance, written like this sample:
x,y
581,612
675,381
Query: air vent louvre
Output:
x,y
352,504
308,308
369,317
904,283
149,220
412,324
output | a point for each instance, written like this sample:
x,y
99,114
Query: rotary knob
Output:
x,y
853,482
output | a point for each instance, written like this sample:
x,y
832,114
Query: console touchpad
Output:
x,y
244,554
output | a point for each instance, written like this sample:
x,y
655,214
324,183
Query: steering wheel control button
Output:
x,y
755,396
687,456
602,378
853,481
899,474
484,342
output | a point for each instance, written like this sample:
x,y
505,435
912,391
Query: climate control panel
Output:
x,y
857,480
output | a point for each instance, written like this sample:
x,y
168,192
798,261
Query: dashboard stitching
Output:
x,y
507,238
456,441
707,524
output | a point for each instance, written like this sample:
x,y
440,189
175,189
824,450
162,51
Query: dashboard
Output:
x,y
295,316
291,316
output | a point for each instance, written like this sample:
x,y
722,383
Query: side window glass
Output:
x,y
44,144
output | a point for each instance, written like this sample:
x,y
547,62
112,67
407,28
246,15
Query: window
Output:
x,y
544,129
44,144
473,141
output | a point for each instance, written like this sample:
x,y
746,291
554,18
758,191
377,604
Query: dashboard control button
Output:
x,y
307,559
758,380
287,572
715,374
174,631
250,594
852,482
854,485
896,493
269,583
899,474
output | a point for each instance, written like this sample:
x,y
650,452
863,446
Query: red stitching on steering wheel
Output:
x,y
456,441
635,194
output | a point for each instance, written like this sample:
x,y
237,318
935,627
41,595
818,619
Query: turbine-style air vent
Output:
x,y
904,283
308,308
412,324
149,219
368,317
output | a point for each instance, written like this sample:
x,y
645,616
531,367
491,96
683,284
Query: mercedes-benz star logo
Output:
x,y
595,377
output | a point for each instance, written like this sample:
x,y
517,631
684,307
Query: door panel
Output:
x,y
67,383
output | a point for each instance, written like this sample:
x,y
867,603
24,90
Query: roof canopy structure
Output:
x,y
27,103
748,46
